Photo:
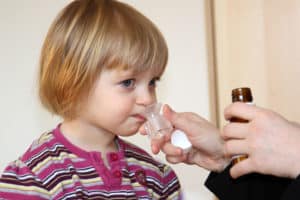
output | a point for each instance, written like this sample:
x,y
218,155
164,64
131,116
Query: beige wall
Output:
x,y
282,32
257,45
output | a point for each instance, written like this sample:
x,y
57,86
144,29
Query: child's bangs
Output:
x,y
138,45
144,54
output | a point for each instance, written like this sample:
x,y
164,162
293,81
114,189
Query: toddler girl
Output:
x,y
98,69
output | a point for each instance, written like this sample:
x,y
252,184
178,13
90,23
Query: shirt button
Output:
x,y
117,174
140,176
114,157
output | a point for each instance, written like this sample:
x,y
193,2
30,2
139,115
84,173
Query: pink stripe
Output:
x,y
19,196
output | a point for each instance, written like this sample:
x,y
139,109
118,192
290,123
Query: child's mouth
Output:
x,y
139,117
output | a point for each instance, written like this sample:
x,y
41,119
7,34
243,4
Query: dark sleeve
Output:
x,y
248,187
293,190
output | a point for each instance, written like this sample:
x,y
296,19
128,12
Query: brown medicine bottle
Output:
x,y
240,95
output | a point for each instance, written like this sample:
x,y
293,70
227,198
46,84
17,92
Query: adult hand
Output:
x,y
271,142
207,146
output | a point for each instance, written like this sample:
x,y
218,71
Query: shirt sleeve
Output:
x,y
293,190
249,187
19,182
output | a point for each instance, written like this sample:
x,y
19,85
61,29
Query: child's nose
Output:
x,y
146,98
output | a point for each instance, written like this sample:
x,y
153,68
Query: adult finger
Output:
x,y
168,112
235,131
142,130
176,159
241,168
183,121
235,147
157,143
171,150
241,110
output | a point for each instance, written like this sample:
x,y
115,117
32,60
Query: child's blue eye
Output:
x,y
129,83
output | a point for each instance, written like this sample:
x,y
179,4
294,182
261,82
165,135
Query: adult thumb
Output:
x,y
168,112
178,120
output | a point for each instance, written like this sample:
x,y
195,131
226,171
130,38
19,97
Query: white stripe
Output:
x,y
23,177
109,194
61,171
52,149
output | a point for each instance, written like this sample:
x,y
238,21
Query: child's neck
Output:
x,y
88,137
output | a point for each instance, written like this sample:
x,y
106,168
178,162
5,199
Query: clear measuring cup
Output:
x,y
157,126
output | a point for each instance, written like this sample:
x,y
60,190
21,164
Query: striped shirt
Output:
x,y
53,168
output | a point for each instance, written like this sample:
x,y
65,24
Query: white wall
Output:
x,y
23,25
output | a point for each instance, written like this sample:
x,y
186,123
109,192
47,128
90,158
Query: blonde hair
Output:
x,y
88,36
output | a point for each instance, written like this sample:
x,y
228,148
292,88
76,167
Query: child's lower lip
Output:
x,y
140,117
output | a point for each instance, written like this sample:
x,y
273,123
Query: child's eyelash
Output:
x,y
154,80
129,83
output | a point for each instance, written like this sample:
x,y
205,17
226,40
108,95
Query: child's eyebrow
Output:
x,y
126,73
123,74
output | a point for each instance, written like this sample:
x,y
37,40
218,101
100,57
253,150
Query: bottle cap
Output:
x,y
241,94
179,139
